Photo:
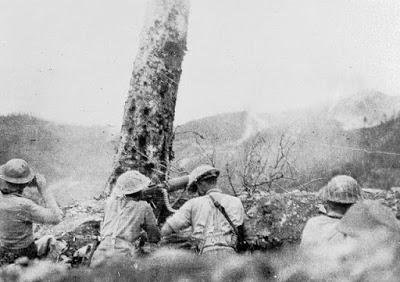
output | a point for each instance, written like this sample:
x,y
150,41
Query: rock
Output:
x,y
275,219
279,219
85,234
395,189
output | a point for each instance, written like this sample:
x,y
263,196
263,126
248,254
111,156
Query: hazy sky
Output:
x,y
71,61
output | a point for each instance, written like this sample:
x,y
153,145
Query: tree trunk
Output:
x,y
147,128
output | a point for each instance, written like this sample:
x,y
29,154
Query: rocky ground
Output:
x,y
279,219
275,219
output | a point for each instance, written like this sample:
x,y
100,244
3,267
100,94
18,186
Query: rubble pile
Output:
x,y
79,228
278,219
390,198
87,233
275,219
74,215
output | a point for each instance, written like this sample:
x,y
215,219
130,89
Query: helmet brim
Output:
x,y
22,180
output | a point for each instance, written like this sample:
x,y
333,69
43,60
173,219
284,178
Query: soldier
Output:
x,y
211,230
17,213
339,194
126,215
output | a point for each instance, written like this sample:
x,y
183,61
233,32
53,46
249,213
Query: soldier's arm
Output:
x,y
39,214
166,230
179,220
51,214
241,216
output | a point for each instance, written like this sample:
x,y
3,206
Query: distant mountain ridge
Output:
x,y
329,139
225,127
67,155
325,141
366,109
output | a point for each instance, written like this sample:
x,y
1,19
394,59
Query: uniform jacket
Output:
x,y
123,223
210,229
322,230
16,217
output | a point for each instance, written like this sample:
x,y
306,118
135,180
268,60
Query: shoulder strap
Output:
x,y
222,210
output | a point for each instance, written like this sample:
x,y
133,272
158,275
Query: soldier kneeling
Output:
x,y
211,229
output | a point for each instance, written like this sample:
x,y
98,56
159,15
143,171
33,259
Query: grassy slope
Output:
x,y
322,148
75,160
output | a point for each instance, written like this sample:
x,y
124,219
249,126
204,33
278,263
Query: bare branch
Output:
x,y
309,182
259,170
189,131
229,177
211,157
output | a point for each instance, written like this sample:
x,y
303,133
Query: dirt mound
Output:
x,y
279,219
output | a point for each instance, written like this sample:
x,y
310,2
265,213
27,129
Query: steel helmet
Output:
x,y
16,171
131,182
341,189
202,172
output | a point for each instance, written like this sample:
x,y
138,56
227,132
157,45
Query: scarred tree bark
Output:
x,y
147,128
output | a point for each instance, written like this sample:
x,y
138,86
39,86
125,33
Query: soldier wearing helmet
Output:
x,y
211,231
339,195
17,213
126,215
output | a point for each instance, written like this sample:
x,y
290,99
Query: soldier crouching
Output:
x,y
126,215
211,229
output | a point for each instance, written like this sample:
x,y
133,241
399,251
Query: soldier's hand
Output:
x,y
40,182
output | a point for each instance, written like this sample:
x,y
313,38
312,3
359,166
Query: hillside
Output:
x,y
380,162
71,157
365,109
223,127
323,143
77,160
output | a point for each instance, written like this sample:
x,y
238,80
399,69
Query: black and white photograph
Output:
x,y
199,140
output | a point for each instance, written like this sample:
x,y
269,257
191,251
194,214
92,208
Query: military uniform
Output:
x,y
322,230
17,213
17,216
210,229
124,220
